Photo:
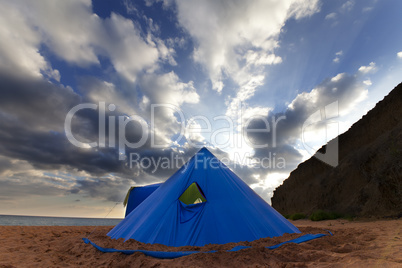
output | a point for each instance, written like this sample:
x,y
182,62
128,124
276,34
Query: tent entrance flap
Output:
x,y
192,195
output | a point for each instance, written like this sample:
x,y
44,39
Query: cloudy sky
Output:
x,y
97,96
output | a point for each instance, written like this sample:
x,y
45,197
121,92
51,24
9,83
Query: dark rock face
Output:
x,y
368,180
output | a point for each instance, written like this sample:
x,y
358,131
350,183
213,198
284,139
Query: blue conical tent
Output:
x,y
231,212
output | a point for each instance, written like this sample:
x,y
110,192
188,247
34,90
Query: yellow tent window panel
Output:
x,y
192,195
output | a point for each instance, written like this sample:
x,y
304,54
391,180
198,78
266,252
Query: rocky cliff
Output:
x,y
368,180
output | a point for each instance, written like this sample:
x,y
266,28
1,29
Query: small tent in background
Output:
x,y
204,202
136,195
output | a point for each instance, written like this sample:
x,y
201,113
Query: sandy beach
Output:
x,y
354,243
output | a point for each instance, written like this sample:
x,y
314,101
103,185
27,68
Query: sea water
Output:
x,y
56,221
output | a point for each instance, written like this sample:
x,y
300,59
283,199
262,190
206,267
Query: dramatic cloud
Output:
x,y
167,93
238,31
32,115
285,130
33,110
237,43
68,28
280,142
126,60
75,34
138,71
19,45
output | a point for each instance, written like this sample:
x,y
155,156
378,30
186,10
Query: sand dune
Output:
x,y
358,243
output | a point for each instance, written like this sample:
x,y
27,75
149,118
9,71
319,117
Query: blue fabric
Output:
x,y
177,254
155,254
187,212
139,194
298,240
233,212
